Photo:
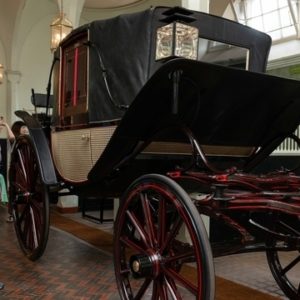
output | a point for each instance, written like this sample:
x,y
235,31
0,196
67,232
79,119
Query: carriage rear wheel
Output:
x,y
161,249
285,265
28,199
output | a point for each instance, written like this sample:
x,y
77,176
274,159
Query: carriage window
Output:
x,y
74,84
223,54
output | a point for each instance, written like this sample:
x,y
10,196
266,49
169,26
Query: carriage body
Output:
x,y
120,113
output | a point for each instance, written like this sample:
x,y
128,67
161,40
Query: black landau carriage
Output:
x,y
142,111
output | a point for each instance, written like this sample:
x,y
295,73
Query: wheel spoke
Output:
x,y
155,290
172,288
163,290
132,245
183,257
34,228
21,160
149,220
139,227
143,288
290,265
172,234
21,217
182,281
161,222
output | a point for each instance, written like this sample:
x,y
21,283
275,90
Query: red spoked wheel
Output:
x,y
28,199
285,265
161,249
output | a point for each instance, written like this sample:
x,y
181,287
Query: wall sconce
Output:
x,y
60,28
1,73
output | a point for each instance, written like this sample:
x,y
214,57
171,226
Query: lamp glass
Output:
x,y
164,42
186,41
1,73
60,28
177,40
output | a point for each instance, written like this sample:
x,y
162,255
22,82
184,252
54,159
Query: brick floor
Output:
x,y
69,269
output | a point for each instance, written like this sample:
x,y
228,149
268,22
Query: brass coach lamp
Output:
x,y
60,28
177,39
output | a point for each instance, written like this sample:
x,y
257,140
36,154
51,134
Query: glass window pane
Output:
x,y
288,31
268,6
276,35
285,17
282,3
271,16
271,21
256,23
253,8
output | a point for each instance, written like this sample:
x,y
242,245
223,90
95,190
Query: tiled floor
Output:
x,y
53,276
63,272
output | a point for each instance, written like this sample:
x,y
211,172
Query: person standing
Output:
x,y
10,134
18,128
11,138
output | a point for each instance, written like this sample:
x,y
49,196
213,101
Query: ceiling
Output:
x,y
109,3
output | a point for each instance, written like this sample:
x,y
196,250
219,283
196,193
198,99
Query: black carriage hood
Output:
x,y
220,106
123,50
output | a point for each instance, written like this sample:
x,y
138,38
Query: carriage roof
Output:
x,y
125,47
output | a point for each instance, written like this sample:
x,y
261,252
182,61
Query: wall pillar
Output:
x,y
13,79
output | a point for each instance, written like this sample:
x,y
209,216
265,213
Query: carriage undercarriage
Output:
x,y
160,242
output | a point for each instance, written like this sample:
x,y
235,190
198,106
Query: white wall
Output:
x,y
35,62
31,56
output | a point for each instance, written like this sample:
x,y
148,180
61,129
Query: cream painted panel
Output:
x,y
100,136
72,154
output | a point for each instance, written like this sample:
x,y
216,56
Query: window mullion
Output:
x,y
295,19
245,12
236,17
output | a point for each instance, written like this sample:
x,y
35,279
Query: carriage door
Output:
x,y
71,143
74,102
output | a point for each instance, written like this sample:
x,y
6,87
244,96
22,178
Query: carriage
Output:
x,y
143,112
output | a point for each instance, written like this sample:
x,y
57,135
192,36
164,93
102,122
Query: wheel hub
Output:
x,y
144,265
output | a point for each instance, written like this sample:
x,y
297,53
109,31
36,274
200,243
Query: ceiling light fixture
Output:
x,y
60,28
1,73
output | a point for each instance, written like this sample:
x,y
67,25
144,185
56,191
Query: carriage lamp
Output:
x,y
177,40
60,28
1,73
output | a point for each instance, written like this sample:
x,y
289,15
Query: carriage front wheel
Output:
x,y
161,249
28,199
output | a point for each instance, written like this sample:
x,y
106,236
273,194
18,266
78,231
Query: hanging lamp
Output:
x,y
60,28
1,73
